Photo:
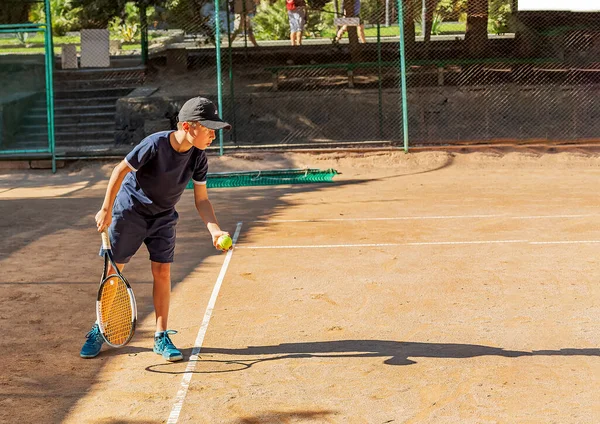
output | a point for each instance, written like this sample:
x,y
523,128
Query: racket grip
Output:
x,y
105,240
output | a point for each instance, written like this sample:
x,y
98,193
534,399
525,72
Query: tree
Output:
x,y
348,6
14,12
64,16
98,13
476,36
409,27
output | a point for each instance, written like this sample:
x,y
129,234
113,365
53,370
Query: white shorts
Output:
x,y
297,19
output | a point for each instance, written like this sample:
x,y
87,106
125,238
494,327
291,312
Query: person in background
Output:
x,y
360,29
297,16
246,9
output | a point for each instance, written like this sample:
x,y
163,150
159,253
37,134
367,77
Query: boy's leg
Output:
x,y
161,272
161,246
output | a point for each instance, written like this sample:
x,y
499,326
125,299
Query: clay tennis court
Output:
x,y
433,287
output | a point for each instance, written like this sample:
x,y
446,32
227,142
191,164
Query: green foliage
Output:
x,y
22,37
13,13
65,16
99,13
436,25
271,21
500,13
186,15
125,32
455,10
372,11
127,27
320,21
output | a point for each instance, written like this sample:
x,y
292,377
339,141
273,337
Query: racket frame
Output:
x,y
108,258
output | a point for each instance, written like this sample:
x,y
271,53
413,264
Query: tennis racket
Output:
x,y
116,310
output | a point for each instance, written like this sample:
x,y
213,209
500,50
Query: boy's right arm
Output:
x,y
104,215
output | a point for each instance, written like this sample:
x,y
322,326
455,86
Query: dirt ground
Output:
x,y
430,287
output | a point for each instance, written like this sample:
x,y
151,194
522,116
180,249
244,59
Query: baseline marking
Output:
x,y
409,218
426,243
566,242
335,246
189,370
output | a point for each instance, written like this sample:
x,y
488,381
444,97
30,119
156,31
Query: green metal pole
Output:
x,y
231,83
49,42
29,29
219,77
403,76
22,151
17,27
144,33
380,96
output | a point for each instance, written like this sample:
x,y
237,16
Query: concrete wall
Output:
x,y
436,115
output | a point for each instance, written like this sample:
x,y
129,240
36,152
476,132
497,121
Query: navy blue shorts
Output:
x,y
129,229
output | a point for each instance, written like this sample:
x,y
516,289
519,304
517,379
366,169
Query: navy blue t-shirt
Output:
x,y
160,174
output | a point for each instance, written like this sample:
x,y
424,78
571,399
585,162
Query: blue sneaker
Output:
x,y
93,344
165,347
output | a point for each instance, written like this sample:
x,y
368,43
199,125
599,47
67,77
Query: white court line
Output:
x,y
566,242
336,246
415,218
189,370
554,216
426,243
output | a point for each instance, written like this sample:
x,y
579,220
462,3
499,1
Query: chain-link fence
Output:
x,y
509,74
322,72
477,71
25,81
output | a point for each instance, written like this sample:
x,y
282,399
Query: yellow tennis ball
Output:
x,y
224,242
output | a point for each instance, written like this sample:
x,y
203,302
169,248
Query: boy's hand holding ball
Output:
x,y
224,242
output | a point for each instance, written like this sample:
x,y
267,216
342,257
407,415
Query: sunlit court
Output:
x,y
413,288
299,211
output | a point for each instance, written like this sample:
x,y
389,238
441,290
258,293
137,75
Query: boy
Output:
x,y
139,206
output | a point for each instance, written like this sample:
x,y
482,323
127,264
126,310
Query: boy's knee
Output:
x,y
161,270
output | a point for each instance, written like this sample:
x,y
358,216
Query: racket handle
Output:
x,y
105,240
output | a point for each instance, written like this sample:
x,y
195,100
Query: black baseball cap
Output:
x,y
200,109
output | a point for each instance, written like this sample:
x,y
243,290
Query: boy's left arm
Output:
x,y
207,213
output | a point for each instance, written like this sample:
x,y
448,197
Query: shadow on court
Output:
x,y
395,353
284,417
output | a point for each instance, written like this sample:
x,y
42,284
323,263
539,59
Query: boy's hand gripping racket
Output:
x,y
116,310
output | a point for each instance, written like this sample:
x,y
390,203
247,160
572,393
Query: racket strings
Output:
x,y
115,310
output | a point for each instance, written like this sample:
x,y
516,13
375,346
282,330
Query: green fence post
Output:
x,y
403,76
379,71
219,77
144,32
49,49
231,83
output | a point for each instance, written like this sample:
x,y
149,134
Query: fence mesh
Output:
x,y
477,71
508,75
23,87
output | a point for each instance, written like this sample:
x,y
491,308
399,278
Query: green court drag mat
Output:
x,y
269,177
